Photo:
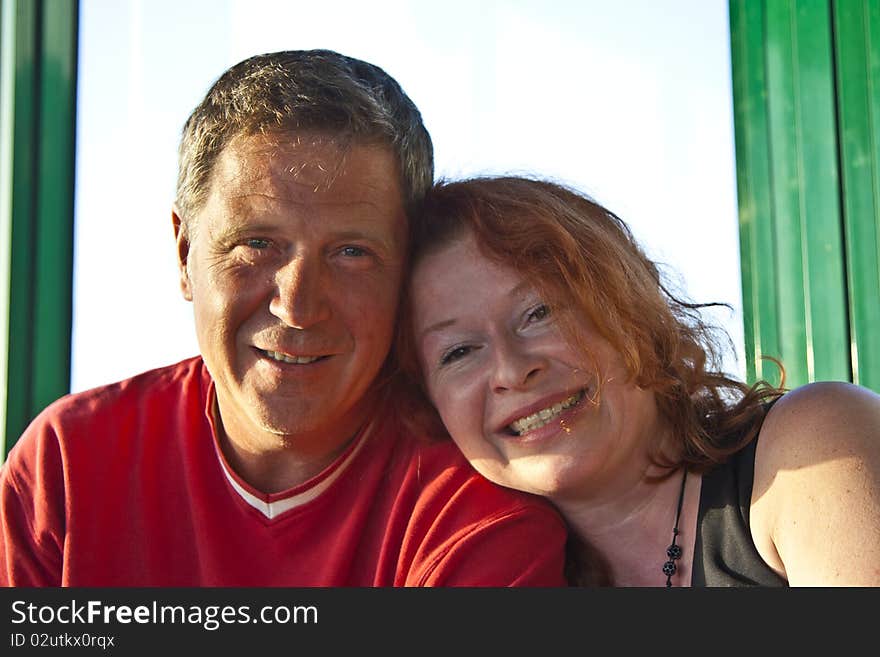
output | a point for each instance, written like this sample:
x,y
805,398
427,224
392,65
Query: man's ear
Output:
x,y
181,237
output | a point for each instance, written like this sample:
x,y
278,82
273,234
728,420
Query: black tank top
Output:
x,y
724,554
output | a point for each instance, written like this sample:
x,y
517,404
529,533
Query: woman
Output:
x,y
561,365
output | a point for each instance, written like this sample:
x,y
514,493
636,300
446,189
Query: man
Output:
x,y
276,457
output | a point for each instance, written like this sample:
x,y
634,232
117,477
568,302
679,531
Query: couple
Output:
x,y
300,449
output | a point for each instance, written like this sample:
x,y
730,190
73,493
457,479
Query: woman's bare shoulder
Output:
x,y
821,419
816,495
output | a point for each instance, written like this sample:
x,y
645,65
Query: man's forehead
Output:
x,y
275,175
310,161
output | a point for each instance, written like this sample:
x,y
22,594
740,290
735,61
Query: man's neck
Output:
x,y
276,471
276,463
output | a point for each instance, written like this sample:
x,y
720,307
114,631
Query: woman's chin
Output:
x,y
544,475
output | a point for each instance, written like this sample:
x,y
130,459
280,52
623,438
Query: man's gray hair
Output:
x,y
318,91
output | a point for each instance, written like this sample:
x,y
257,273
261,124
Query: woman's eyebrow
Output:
x,y
438,326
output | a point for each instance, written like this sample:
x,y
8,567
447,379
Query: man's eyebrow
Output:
x,y
236,231
355,235
233,233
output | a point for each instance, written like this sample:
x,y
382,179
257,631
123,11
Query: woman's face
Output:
x,y
517,399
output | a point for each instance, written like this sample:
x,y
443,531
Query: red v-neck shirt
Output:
x,y
124,485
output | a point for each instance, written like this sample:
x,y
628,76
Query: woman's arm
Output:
x,y
816,498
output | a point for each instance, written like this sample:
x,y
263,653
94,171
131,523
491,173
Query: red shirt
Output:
x,y
125,485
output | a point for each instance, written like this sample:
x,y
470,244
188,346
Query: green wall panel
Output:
x,y
857,34
53,268
789,232
19,105
805,112
753,182
38,121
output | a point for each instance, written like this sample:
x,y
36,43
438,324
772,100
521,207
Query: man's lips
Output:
x,y
291,359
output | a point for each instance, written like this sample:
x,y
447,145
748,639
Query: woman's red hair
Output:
x,y
584,261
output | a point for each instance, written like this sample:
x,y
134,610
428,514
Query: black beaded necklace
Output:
x,y
673,552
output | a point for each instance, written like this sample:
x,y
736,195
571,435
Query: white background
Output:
x,y
628,101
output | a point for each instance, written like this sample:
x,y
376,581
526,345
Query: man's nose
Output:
x,y
516,366
299,298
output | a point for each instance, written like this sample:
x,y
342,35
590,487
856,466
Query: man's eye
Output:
x,y
455,354
257,243
353,251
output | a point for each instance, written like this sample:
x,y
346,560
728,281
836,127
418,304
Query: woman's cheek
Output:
x,y
465,408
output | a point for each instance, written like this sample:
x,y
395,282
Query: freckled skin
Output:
x,y
490,355
504,353
298,249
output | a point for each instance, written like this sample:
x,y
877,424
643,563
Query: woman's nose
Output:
x,y
516,366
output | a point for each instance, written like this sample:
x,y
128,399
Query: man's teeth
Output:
x,y
544,416
297,360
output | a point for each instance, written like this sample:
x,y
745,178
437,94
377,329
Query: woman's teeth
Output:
x,y
297,360
544,416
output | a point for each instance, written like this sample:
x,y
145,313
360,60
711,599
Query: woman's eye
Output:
x,y
539,313
454,354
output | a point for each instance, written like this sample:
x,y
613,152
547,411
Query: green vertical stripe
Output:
x,y
7,78
825,285
24,108
857,37
54,255
38,114
809,250
753,185
789,232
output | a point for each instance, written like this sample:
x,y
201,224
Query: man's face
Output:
x,y
293,266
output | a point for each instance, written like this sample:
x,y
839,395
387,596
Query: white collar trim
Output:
x,y
277,507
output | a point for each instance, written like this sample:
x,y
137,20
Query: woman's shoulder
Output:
x,y
820,419
817,475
